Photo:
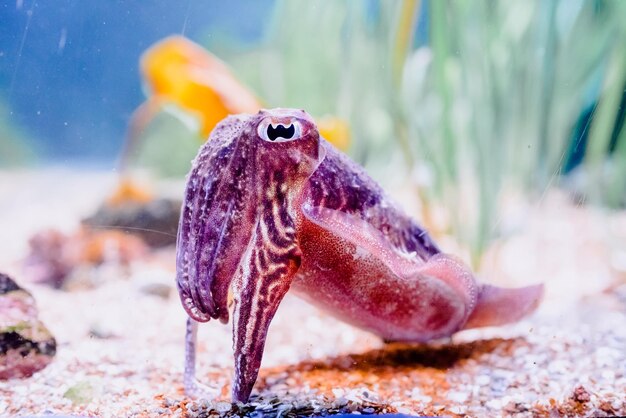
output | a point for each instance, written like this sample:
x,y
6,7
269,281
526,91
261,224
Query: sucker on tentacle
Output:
x,y
270,207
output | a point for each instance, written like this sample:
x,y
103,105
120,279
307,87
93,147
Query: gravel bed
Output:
x,y
120,347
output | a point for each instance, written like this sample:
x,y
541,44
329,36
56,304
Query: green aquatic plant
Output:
x,y
605,159
505,83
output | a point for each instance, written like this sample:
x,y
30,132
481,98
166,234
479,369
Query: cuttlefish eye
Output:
x,y
279,131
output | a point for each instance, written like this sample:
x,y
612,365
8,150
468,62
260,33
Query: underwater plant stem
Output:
x,y
616,189
448,153
603,124
547,95
406,26
407,19
440,48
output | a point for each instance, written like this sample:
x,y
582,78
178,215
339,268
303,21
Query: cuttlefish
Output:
x,y
270,206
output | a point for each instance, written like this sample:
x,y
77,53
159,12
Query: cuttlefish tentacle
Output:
x,y
192,386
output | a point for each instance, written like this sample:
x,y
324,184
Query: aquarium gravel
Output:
x,y
120,347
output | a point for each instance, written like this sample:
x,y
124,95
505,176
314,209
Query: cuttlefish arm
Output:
x,y
217,216
264,277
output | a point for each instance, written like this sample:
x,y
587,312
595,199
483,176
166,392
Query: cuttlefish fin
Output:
x,y
444,267
267,268
498,306
483,305
362,234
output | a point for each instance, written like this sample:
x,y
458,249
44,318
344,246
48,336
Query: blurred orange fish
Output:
x,y
179,72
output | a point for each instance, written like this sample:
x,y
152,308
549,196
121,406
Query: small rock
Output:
x,y
26,345
458,410
155,221
458,397
60,260
157,289
581,395
483,380
223,407
47,260
81,393
101,332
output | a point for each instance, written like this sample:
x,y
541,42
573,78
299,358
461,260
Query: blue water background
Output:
x,y
69,68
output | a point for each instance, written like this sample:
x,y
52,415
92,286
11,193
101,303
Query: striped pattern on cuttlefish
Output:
x,y
271,206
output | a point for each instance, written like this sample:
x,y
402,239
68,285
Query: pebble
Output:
x,y
459,397
483,380
160,290
26,344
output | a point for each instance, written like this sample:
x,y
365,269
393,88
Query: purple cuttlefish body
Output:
x,y
271,206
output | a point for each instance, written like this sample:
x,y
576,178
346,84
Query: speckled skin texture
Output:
x,y
264,215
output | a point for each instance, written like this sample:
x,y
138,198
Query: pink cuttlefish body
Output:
x,y
271,206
